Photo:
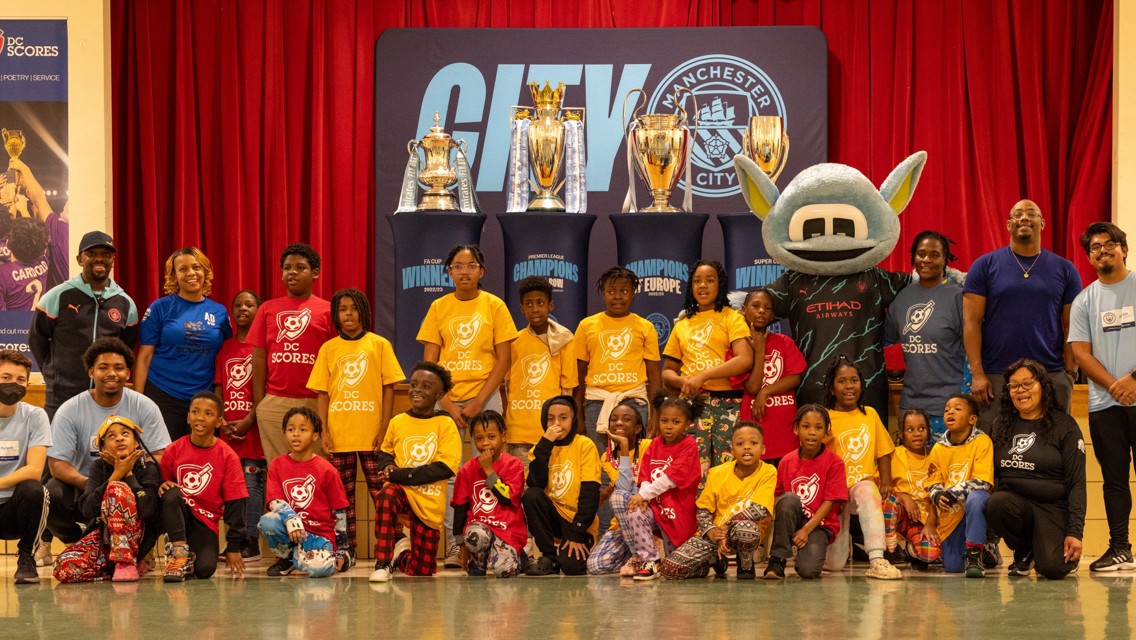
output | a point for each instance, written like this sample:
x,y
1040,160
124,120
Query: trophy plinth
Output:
x,y
438,175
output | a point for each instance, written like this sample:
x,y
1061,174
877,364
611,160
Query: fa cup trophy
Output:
x,y
438,175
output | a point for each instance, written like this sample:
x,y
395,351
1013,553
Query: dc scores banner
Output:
x,y
33,187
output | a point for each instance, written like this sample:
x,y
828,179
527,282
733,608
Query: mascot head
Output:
x,y
830,220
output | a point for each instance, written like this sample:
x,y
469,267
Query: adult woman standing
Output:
x,y
1038,506
181,335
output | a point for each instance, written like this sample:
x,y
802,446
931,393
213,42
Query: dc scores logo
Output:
x,y
353,369
741,504
957,473
560,478
300,491
774,365
700,336
918,315
615,344
483,499
660,469
193,478
729,91
855,442
535,367
419,450
1022,443
465,330
292,324
240,371
806,488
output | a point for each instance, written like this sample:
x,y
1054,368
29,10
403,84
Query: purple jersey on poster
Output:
x,y
21,284
57,229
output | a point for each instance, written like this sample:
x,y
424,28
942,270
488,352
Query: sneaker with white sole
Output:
x,y
1114,560
382,572
401,547
453,555
649,571
881,569
1022,564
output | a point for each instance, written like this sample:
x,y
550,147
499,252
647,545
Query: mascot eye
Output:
x,y
843,227
813,228
819,220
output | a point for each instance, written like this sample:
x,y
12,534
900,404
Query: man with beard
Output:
x,y
1102,333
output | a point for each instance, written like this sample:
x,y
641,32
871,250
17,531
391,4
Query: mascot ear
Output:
x,y
759,191
900,185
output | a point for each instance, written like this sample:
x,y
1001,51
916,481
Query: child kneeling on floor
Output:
x,y
735,504
306,523
420,452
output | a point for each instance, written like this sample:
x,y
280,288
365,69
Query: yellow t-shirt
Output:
x,y
468,331
726,495
568,466
608,467
952,465
616,350
908,471
415,442
535,375
859,439
352,373
701,342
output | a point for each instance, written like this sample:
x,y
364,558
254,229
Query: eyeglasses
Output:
x,y
464,268
1027,386
1097,248
1031,214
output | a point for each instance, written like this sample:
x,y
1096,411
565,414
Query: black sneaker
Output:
x,y
775,569
720,565
544,567
1022,564
1114,560
250,551
746,574
974,563
281,568
26,569
897,557
991,555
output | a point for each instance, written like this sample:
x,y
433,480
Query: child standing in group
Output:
x,y
563,492
354,375
733,510
960,481
203,481
420,452
620,464
487,502
233,383
811,489
669,473
306,523
469,332
543,366
777,369
908,515
696,359
862,441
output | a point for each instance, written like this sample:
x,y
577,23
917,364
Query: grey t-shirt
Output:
x,y
1103,315
928,325
27,427
75,428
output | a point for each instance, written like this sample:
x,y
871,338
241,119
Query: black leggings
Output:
x,y
545,525
175,411
180,524
1029,526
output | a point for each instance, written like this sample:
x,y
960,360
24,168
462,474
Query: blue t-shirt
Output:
x,y
928,325
1023,315
186,337
27,427
1104,315
75,428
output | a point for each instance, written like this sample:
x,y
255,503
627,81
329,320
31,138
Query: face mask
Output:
x,y
12,392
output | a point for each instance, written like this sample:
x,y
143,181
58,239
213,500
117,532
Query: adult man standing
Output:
x,y
72,315
1102,333
1016,305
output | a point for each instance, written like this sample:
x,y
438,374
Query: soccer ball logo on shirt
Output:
x,y
956,473
419,450
353,368
918,315
855,442
774,364
560,478
465,330
292,324
483,499
240,371
300,491
741,504
660,469
535,367
193,478
615,343
700,336
806,488
1022,443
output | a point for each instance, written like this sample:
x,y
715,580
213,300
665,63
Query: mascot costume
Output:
x,y
829,229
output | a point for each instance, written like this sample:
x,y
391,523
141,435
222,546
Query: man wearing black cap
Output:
x,y
71,316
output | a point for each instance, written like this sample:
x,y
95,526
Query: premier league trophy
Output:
x,y
439,174
549,140
661,145
767,143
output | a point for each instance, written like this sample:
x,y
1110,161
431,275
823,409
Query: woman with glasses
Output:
x,y
1038,506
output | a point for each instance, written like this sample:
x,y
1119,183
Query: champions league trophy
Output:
x,y
661,145
767,143
438,175
551,139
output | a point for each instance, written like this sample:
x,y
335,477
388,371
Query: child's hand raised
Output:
x,y
619,443
555,432
485,459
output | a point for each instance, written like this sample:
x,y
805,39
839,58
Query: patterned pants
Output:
x,y
864,500
693,558
712,431
315,555
638,527
344,463
422,559
613,549
487,552
116,540
899,525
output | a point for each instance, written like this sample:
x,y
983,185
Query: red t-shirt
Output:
x,y
312,488
208,476
291,331
506,521
815,481
782,358
674,510
234,376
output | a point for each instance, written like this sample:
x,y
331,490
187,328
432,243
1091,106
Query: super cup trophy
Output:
x,y
766,142
546,142
661,144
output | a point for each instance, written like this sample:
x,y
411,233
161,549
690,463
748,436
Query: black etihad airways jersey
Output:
x,y
830,315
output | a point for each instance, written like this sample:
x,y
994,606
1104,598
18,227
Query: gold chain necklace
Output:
x,y
1025,271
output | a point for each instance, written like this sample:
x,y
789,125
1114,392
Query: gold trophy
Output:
x,y
438,175
767,143
14,144
660,143
546,142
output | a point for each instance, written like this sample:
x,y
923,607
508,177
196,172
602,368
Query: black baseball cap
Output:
x,y
93,239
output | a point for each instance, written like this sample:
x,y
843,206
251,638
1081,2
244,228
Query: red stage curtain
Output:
x,y
242,125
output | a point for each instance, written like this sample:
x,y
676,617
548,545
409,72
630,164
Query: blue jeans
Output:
x,y
255,475
971,530
315,555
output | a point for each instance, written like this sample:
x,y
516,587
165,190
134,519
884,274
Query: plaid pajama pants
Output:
x,y
693,558
422,559
344,463
899,526
116,540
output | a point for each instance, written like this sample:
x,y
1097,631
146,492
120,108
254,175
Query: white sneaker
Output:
x,y
43,555
453,555
382,573
400,547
